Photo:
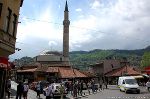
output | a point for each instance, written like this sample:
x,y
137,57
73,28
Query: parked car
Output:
x,y
128,84
56,90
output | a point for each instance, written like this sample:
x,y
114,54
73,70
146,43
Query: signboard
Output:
x,y
147,70
3,62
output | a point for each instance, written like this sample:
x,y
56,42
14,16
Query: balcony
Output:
x,y
7,44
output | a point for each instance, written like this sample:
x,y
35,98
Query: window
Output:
x,y
8,20
1,8
14,24
123,82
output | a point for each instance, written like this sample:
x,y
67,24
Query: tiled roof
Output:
x,y
42,68
70,73
120,71
28,70
88,73
52,70
64,72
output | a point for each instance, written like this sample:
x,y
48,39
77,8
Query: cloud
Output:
x,y
123,24
79,10
95,4
118,26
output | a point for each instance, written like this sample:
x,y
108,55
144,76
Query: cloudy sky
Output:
x,y
94,24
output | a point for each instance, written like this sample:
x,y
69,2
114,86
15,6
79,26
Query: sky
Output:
x,y
94,24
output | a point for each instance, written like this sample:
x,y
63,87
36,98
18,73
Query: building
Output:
x,y
122,71
110,69
104,66
9,13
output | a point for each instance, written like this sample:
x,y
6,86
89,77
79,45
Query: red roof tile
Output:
x,y
70,73
52,70
122,70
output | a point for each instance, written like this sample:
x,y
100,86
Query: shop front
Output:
x,y
3,75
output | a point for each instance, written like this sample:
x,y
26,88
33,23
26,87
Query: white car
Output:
x,y
128,84
56,89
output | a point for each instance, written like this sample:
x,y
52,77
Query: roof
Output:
x,y
66,6
64,72
70,73
27,70
120,71
52,70
88,73
42,68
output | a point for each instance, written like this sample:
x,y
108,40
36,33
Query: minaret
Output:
x,y
66,24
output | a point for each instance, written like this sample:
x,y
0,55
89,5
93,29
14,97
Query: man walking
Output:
x,y
19,90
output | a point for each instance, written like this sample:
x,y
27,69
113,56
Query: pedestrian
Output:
x,y
38,89
89,86
75,88
106,83
19,90
148,85
71,87
81,87
48,92
25,90
101,84
8,87
61,90
93,85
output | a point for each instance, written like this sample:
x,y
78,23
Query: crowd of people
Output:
x,y
74,88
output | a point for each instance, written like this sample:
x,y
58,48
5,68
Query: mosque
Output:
x,y
53,65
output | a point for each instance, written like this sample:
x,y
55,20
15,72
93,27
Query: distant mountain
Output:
x,y
82,59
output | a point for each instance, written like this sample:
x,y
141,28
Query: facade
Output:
x,y
122,71
9,13
49,57
105,66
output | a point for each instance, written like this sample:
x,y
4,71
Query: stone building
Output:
x,y
9,13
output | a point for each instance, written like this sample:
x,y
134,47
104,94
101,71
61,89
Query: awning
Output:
x,y
3,62
136,77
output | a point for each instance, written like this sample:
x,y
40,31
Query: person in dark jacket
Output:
x,y
19,90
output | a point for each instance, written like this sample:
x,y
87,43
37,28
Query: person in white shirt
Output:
x,y
38,89
48,91
25,90
148,85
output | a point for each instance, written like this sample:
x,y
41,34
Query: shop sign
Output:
x,y
3,62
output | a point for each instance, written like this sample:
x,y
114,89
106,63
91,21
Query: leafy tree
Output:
x,y
146,59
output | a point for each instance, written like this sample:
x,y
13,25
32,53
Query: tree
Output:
x,y
145,59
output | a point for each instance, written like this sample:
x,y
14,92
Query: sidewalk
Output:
x,y
84,94
31,93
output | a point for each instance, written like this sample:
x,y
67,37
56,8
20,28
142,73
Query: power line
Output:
x,y
98,31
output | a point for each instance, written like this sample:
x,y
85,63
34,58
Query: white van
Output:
x,y
128,84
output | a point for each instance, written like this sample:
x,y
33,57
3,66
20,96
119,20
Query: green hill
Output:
x,y
82,59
